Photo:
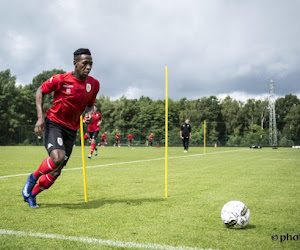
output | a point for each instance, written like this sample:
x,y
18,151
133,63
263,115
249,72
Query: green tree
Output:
x,y
10,107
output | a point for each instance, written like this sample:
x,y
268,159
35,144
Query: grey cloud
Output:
x,y
211,47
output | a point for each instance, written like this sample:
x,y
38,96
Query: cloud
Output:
x,y
131,92
211,47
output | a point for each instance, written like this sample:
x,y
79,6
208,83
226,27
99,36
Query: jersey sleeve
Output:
x,y
52,84
96,90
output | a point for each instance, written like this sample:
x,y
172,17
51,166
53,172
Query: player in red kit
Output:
x,y
118,137
150,139
103,139
74,93
94,128
129,139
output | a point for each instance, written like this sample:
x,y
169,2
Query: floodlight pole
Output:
x,y
272,121
166,135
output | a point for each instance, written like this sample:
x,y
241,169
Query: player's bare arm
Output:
x,y
40,124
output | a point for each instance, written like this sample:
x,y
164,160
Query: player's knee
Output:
x,y
56,173
58,158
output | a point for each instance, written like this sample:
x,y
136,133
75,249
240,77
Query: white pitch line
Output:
x,y
131,162
89,240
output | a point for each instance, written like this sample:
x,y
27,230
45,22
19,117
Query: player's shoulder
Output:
x,y
92,80
58,77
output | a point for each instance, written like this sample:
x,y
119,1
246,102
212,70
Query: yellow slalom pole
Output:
x,y
83,159
166,136
204,138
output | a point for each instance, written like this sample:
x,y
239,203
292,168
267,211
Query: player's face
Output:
x,y
83,66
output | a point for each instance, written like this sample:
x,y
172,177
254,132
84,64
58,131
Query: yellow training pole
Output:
x,y
166,136
204,138
83,159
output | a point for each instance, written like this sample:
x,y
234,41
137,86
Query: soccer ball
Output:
x,y
235,214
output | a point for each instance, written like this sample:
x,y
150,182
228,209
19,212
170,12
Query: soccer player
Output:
x,y
94,128
86,137
118,137
129,139
103,139
150,139
74,93
186,134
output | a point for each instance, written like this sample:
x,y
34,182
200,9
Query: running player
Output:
x,y
74,93
129,139
118,137
150,140
103,139
94,128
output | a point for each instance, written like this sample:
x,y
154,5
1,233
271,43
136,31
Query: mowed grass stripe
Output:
x,y
131,162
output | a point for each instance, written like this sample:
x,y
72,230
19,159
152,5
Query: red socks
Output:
x,y
45,182
46,167
93,146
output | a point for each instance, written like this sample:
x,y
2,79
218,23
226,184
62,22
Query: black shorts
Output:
x,y
93,135
59,137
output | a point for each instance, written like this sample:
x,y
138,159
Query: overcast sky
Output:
x,y
212,47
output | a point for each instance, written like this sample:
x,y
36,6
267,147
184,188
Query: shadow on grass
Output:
x,y
247,227
250,226
98,203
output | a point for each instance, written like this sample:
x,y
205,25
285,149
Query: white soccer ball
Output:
x,y
235,214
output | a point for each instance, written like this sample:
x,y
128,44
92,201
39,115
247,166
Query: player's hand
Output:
x,y
39,127
88,118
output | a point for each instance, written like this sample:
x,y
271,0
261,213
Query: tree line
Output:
x,y
229,122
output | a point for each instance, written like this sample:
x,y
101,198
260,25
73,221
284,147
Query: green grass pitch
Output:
x,y
126,201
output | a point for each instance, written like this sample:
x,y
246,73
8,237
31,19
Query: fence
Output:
x,y
216,134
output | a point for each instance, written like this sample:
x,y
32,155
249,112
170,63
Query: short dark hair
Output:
x,y
82,51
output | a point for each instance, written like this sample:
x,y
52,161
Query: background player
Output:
x,y
150,140
129,139
74,93
86,139
94,128
103,139
118,137
186,134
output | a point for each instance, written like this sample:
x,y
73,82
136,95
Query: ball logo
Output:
x,y
59,141
88,87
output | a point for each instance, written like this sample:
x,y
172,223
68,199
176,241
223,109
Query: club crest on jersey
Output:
x,y
59,141
88,87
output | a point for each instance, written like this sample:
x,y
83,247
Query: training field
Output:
x,y
126,205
